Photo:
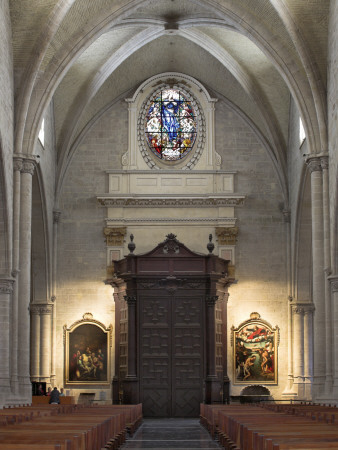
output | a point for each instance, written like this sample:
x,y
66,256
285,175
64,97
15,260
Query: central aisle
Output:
x,y
168,434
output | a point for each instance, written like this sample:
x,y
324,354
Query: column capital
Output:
x,y
130,299
17,164
303,308
28,166
314,163
333,279
6,285
211,300
38,309
324,162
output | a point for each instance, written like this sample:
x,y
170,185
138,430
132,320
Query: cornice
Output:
x,y
177,201
212,220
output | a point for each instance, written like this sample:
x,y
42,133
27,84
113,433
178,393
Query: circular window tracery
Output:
x,y
190,152
171,125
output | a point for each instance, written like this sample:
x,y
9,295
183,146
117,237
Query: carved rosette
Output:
x,y
227,235
115,236
6,286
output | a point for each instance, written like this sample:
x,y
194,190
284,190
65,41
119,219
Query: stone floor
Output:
x,y
169,434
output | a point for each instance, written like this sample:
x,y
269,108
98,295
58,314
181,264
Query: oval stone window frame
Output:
x,y
194,154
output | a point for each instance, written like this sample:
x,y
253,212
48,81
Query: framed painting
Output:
x,y
255,345
87,352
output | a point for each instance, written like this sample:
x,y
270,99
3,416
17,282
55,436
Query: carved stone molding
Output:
x,y
227,235
115,236
6,285
230,220
177,202
39,309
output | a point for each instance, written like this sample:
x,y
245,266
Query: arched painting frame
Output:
x,y
87,352
255,344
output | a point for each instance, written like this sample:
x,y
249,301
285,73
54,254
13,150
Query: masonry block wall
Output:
x,y
260,251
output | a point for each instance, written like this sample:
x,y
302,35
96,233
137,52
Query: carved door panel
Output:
x,y
171,354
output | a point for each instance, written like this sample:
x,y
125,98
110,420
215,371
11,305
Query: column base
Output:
x,y
213,391
131,390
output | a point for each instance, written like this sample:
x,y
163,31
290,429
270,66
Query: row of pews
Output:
x,y
67,427
267,426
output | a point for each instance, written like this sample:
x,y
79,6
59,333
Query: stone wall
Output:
x,y
260,252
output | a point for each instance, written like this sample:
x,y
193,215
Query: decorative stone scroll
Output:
x,y
227,235
255,345
115,236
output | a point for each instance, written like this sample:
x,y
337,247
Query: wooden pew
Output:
x,y
86,428
255,428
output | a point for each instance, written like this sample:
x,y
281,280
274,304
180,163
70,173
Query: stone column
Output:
x,y
130,394
56,219
35,342
298,347
308,350
16,248
6,290
318,285
334,289
212,384
45,341
327,270
28,167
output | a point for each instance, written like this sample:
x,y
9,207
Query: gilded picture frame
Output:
x,y
255,352
87,345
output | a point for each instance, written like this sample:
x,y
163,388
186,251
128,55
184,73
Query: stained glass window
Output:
x,y
170,125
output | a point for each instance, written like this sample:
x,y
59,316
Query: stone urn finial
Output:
x,y
131,245
210,245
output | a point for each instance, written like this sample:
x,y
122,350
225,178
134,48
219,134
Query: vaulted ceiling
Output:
x,y
86,54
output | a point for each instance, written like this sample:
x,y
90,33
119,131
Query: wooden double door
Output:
x,y
170,330
171,365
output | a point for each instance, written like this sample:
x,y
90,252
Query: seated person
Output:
x,y
54,397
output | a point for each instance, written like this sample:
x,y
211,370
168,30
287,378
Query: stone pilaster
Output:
x,y
6,290
56,219
45,341
308,350
35,342
324,161
334,295
17,166
27,172
318,277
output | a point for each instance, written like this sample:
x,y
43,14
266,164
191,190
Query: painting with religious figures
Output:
x,y
255,345
87,352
